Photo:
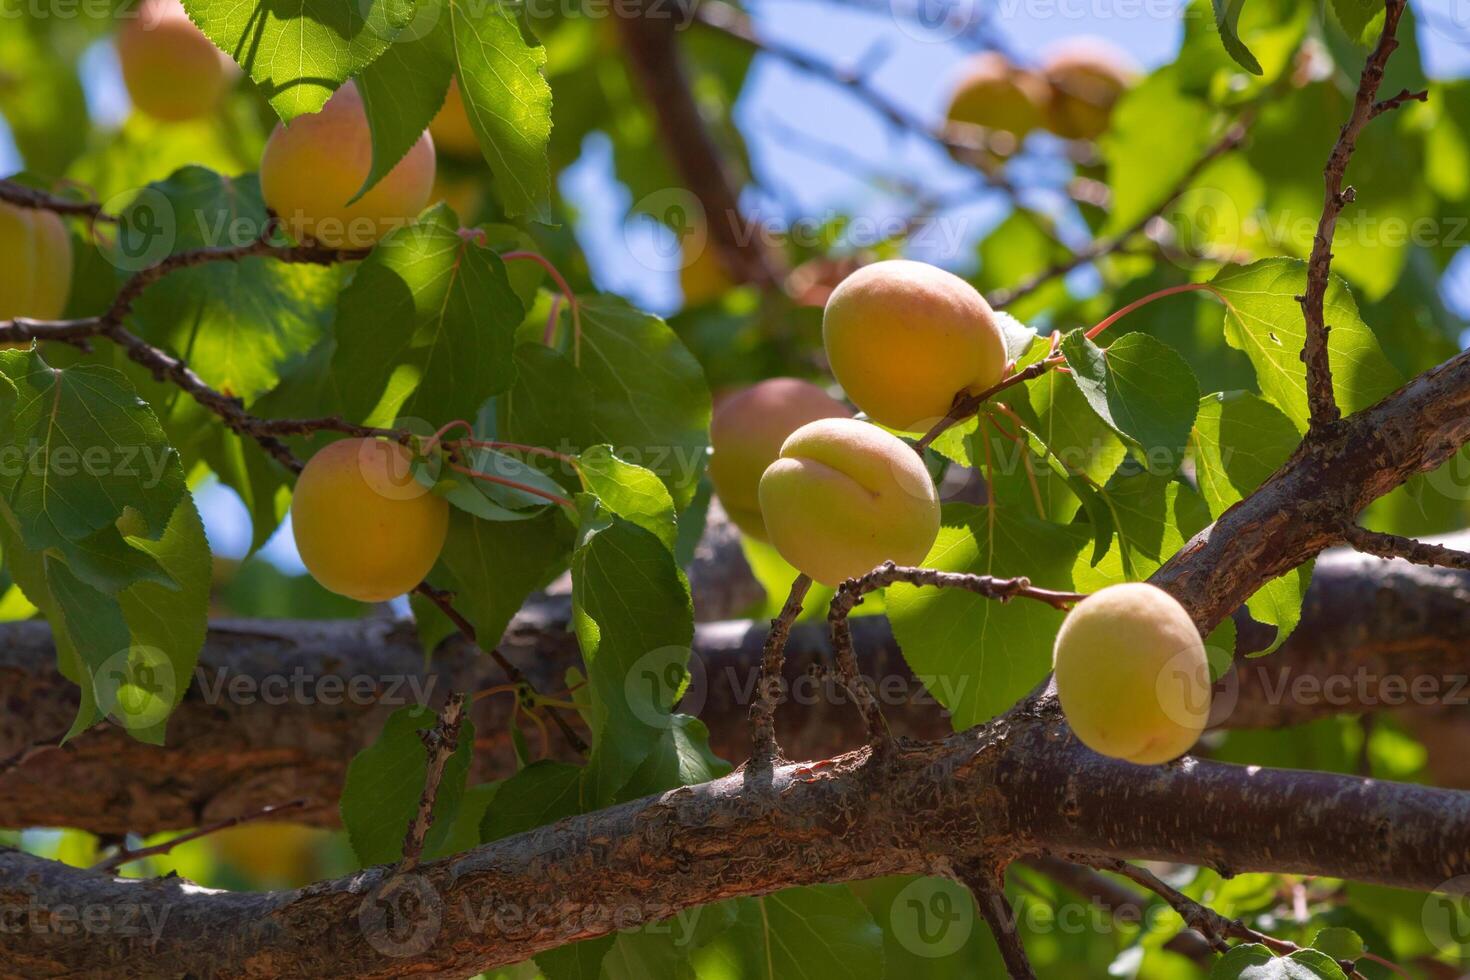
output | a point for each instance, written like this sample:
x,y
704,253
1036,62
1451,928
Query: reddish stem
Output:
x,y
1171,291
517,447
566,292
514,484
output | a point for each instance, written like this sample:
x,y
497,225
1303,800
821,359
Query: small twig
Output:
x,y
128,856
966,405
987,885
38,200
765,749
1215,927
440,742
1393,102
1101,248
445,603
850,595
1321,402
1395,546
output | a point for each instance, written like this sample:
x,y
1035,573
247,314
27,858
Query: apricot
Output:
x,y
1087,77
903,338
280,854
365,528
1132,674
171,70
998,95
35,252
746,435
313,168
703,278
844,497
451,127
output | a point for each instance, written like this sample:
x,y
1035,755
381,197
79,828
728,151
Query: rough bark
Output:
x,y
1375,634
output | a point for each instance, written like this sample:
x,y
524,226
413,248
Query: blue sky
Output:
x,y
789,118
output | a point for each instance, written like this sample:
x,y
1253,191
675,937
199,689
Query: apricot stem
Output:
x,y
514,484
1136,304
566,292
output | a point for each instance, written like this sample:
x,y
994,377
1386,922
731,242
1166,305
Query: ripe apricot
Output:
x,y
171,70
1087,77
312,168
451,127
844,497
35,252
1132,674
998,95
746,434
903,338
364,526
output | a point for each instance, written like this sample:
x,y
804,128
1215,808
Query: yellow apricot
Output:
x,y
1132,674
998,95
172,71
269,853
844,497
365,528
451,127
746,435
1087,77
312,168
903,338
35,254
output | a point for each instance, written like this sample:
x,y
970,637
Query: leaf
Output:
x,y
507,100
1256,962
41,98
631,492
1142,389
682,757
1278,603
637,389
798,934
427,326
385,781
237,324
542,793
298,54
1144,157
1227,20
81,447
492,566
630,606
1340,943
109,564
1239,440
975,655
1018,248
1356,15
1263,319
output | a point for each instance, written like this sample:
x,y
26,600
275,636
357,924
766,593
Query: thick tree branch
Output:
x,y
1322,404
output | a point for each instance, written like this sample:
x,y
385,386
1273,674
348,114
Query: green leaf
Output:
x,y
427,326
631,492
237,324
1143,157
507,100
630,607
1340,943
575,961
978,656
682,757
1356,15
41,99
492,566
1240,439
542,793
298,54
1256,962
1278,603
1018,248
404,88
1263,319
798,934
81,447
385,782
109,564
1227,20
1142,389
637,389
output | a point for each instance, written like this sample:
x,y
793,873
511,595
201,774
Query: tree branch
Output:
x,y
764,747
1322,404
988,886
1396,546
440,742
